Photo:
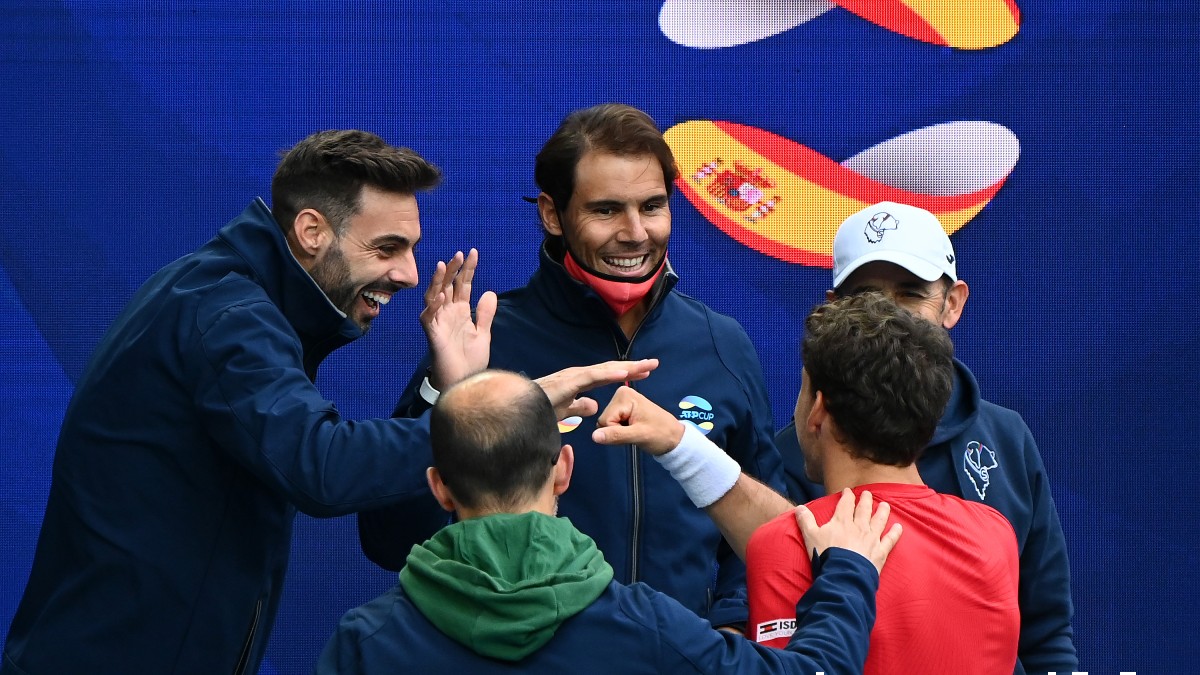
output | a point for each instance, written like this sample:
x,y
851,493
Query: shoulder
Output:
x,y
233,291
1002,417
698,324
680,303
782,526
1005,433
514,296
776,547
981,515
366,621
649,608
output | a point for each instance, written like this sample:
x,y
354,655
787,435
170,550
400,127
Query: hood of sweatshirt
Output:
x,y
501,585
963,407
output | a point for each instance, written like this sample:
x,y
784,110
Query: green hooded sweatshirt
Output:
x,y
502,585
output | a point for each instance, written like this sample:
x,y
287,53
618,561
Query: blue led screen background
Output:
x,y
133,131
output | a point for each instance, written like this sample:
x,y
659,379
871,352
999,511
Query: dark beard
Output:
x,y
332,275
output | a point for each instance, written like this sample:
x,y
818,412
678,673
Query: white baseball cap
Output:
x,y
897,233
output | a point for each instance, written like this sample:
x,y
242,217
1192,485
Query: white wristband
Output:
x,y
704,471
428,392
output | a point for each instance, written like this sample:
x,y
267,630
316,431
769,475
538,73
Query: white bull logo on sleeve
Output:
x,y
977,461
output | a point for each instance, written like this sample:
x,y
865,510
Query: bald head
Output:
x,y
495,439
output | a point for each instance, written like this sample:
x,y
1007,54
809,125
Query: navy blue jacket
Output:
x,y
638,515
627,630
985,453
193,436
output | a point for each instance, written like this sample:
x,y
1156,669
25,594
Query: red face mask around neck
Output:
x,y
620,296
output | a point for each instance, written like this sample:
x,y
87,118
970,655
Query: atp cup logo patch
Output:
x,y
697,412
978,460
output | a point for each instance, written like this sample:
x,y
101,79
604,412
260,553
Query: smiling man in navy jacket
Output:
x,y
197,431
510,588
980,451
605,290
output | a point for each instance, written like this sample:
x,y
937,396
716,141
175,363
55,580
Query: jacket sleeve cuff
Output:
x,y
428,393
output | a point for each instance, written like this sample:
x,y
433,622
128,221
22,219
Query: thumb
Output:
x,y
807,523
485,311
613,435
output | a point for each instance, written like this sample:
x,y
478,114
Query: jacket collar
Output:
x,y
256,238
576,303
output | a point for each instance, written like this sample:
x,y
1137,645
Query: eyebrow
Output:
x,y
616,203
604,203
394,239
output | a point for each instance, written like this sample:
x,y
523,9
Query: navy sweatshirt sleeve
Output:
x,y
387,534
1045,587
261,408
834,622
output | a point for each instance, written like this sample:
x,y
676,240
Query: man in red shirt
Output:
x,y
876,379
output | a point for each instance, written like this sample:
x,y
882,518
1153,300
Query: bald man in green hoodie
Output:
x,y
512,588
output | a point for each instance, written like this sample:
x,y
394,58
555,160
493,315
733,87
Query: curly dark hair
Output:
x,y
885,374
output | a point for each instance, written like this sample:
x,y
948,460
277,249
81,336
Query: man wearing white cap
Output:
x,y
980,451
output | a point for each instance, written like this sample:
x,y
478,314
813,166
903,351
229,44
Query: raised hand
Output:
x,y
852,527
564,387
458,344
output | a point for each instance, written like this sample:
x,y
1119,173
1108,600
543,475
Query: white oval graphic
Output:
x,y
948,159
710,24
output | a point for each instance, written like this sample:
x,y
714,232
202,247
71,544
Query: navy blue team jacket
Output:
x,y
628,630
193,436
648,530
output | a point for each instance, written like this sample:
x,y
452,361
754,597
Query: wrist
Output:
x,y
704,471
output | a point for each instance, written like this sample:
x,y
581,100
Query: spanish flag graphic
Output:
x,y
785,200
961,24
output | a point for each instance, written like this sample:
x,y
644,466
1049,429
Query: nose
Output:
x,y
633,230
404,272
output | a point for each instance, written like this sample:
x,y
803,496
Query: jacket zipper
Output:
x,y
635,538
635,477
244,659
635,473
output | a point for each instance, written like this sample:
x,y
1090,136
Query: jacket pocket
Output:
x,y
247,647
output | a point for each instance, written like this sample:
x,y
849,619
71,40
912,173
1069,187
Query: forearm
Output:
x,y
737,503
746,506
835,615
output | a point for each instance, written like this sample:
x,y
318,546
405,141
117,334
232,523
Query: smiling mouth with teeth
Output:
x,y
625,263
375,299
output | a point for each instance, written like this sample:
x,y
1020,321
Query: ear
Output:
x,y
313,233
956,300
440,492
549,215
563,470
818,416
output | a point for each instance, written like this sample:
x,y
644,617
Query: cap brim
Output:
x,y
922,268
